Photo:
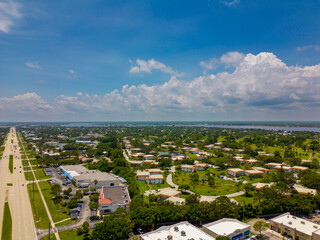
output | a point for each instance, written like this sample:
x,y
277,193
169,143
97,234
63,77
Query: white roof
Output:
x,y
176,232
73,173
300,224
226,226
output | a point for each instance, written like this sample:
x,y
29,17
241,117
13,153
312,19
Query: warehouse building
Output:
x,y
85,177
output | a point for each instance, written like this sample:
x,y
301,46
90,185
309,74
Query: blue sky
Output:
x,y
159,60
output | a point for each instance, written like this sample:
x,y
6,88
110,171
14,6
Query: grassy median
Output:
x,y
39,212
11,163
7,223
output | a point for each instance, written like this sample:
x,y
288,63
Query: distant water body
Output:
x,y
271,128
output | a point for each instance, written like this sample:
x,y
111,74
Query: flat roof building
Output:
x,y
179,231
82,175
112,198
229,227
294,227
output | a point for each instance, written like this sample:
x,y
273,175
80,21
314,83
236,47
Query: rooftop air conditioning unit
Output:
x,y
170,237
183,233
290,223
302,222
176,229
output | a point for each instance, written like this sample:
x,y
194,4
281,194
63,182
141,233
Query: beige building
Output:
x,y
295,228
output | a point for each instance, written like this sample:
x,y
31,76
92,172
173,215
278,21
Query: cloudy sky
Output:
x,y
80,60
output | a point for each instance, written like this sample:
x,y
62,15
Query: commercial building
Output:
x,y
83,176
112,198
229,227
295,228
179,231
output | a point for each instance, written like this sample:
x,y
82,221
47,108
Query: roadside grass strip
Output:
x,y
39,212
11,163
7,223
58,213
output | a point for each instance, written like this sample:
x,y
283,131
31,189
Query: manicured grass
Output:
x,y
222,187
11,163
39,212
28,176
25,163
71,234
144,187
26,168
40,175
7,223
67,222
242,199
33,162
56,210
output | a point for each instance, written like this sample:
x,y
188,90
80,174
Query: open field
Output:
x,y
222,187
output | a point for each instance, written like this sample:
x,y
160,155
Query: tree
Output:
x,y
184,187
211,181
72,203
85,227
192,198
95,183
112,228
56,189
259,226
248,187
67,191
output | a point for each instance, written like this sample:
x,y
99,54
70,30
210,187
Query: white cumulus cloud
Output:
x,y
9,13
259,81
229,59
33,65
28,103
148,66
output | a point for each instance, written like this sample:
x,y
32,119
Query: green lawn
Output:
x,y
7,223
40,175
11,163
144,187
25,163
243,199
56,210
39,212
71,234
33,162
29,176
222,187
67,222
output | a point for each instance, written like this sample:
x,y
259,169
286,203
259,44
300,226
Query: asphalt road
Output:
x,y
18,198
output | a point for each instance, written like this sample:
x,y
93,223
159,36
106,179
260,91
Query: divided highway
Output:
x,y
17,194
